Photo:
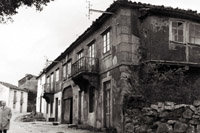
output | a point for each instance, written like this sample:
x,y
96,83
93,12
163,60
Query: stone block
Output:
x,y
154,106
141,129
191,129
188,113
193,108
180,127
169,107
164,128
169,103
194,122
198,129
196,103
180,106
171,122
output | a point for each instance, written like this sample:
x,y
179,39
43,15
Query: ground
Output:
x,y
40,127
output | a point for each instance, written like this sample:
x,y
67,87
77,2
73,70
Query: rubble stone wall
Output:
x,y
163,117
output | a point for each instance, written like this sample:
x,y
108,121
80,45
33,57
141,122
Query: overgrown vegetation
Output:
x,y
9,7
160,83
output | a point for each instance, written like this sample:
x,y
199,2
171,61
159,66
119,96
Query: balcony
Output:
x,y
48,93
85,72
85,65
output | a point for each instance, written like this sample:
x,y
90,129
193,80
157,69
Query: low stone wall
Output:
x,y
163,117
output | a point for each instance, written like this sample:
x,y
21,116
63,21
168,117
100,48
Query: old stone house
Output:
x,y
29,82
16,98
87,82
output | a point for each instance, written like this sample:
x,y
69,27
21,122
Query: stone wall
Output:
x,y
163,117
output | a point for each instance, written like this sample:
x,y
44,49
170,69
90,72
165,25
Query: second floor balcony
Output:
x,y
48,88
48,93
85,65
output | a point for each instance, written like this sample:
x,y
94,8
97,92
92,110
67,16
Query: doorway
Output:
x,y
107,104
56,110
67,115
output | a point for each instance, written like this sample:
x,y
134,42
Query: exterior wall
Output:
x,y
7,94
155,37
18,101
4,94
124,50
41,103
59,96
30,84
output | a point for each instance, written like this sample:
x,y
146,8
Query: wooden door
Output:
x,y
56,110
68,111
107,108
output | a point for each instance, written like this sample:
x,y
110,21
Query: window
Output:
x,y
80,59
91,99
69,65
22,98
91,54
177,31
52,81
57,75
64,71
47,108
107,96
14,99
194,33
51,108
106,42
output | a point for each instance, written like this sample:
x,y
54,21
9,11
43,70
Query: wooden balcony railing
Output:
x,y
85,65
47,88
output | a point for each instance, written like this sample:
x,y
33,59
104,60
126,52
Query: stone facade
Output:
x,y
164,117
94,74
29,82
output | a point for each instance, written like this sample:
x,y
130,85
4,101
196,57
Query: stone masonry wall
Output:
x,y
163,117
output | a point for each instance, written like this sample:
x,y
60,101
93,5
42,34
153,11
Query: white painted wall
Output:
x,y
7,94
40,92
4,94
18,99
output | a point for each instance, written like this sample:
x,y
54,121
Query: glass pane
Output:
x,y
174,32
180,32
191,39
180,38
174,24
197,27
197,33
180,25
197,40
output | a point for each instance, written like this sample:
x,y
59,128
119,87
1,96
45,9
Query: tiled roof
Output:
x,y
150,10
11,86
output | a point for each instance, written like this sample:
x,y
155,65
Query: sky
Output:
x,y
35,36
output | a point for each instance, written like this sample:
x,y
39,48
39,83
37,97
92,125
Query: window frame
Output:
x,y
106,41
57,75
69,69
91,99
195,36
64,70
171,31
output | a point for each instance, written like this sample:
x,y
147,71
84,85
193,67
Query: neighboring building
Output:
x,y
29,82
41,103
87,82
15,97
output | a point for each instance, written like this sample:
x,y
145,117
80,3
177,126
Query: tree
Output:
x,y
9,7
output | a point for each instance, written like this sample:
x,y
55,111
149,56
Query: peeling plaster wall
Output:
x,y
156,42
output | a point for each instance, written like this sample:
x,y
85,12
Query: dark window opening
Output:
x,y
91,99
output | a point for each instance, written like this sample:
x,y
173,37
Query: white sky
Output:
x,y
34,35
